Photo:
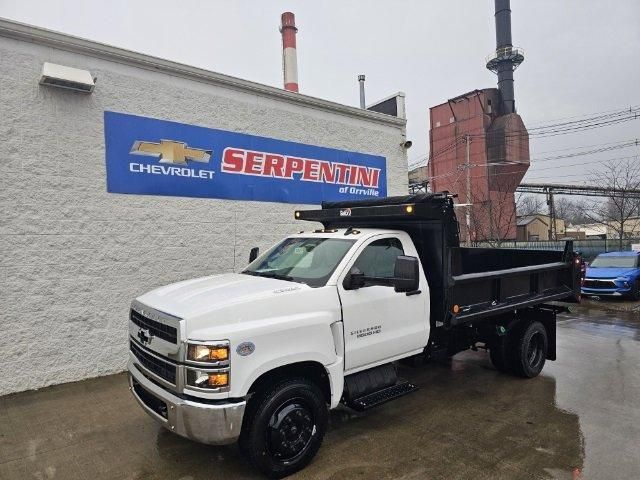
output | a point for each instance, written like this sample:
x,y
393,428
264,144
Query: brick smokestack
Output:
x,y
289,53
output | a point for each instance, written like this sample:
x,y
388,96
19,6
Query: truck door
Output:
x,y
380,323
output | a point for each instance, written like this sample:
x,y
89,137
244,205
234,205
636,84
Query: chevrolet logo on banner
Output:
x,y
170,151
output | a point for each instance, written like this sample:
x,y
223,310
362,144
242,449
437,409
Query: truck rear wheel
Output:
x,y
529,351
284,426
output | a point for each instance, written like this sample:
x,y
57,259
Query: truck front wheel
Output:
x,y
284,426
529,351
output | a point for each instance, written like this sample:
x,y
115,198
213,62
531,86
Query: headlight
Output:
x,y
206,379
208,353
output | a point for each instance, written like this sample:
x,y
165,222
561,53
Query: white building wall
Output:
x,y
72,255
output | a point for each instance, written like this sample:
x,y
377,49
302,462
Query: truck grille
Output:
x,y
157,329
599,284
154,364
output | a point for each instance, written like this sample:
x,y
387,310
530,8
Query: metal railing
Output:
x,y
514,55
589,248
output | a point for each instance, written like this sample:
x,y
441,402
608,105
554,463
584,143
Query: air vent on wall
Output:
x,y
66,77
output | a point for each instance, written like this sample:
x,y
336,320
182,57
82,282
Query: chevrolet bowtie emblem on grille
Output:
x,y
144,336
170,151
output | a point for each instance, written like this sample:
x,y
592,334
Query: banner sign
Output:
x,y
147,156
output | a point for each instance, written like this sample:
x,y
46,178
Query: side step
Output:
x,y
381,396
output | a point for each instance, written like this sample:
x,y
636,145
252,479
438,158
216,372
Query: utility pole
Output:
x,y
552,215
468,167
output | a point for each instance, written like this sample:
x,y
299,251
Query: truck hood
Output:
x,y
196,297
610,272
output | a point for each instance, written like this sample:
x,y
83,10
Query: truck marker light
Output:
x,y
456,309
409,208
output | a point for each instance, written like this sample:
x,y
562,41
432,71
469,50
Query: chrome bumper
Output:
x,y
214,424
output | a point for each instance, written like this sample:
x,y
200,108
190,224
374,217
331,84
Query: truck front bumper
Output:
x,y
594,292
211,423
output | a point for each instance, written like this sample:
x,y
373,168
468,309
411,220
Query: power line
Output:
x,y
586,114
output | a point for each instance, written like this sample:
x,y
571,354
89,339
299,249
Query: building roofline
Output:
x,y
388,97
464,95
62,41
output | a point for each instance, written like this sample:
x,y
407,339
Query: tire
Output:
x,y
528,353
283,427
635,291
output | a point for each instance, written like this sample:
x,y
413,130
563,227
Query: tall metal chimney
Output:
x,y
289,55
361,82
506,58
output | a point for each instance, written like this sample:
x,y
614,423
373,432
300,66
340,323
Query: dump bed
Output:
x,y
465,283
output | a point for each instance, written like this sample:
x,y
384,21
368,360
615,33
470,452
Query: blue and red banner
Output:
x,y
148,156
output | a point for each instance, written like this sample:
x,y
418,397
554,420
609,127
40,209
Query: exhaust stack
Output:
x,y
506,58
289,54
361,82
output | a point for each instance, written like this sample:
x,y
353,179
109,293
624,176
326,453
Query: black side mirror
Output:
x,y
253,254
354,279
406,274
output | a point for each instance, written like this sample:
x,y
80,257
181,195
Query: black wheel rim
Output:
x,y
535,350
290,430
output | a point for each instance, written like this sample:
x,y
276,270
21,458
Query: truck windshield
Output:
x,y
614,262
304,260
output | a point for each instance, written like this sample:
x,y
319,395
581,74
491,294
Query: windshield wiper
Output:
x,y
277,276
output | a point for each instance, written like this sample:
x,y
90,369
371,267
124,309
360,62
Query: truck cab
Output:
x,y
320,318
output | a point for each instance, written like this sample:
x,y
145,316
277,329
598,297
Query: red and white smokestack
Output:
x,y
289,55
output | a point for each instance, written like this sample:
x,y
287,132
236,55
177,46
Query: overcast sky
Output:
x,y
582,56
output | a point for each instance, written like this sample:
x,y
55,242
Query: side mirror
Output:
x,y
253,254
406,274
354,279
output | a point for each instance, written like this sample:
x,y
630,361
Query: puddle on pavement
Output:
x,y
466,421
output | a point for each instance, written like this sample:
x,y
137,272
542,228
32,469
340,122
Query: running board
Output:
x,y
382,396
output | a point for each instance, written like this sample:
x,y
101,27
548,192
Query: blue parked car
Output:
x,y
613,274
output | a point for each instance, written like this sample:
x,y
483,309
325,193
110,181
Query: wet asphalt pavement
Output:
x,y
579,419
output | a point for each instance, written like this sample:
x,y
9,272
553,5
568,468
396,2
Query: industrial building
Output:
x,y
479,145
533,228
123,172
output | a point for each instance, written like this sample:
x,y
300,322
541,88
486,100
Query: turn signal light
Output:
x,y
455,309
409,208
207,379
218,379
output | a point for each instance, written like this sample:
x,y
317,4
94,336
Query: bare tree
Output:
x,y
620,177
493,216
527,205
572,211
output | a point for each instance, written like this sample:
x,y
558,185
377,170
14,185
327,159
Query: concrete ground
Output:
x,y
580,419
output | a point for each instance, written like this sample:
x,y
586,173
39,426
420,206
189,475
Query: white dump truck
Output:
x,y
318,320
